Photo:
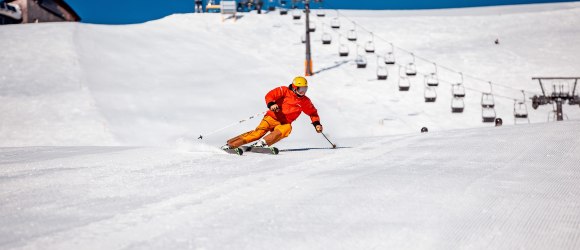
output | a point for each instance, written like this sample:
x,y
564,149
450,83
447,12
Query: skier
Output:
x,y
285,104
258,6
198,6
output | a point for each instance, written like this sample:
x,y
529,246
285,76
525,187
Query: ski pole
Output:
x,y
333,145
233,124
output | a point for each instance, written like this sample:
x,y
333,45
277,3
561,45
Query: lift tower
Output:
x,y
308,62
560,93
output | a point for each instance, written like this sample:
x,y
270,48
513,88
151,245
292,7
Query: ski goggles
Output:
x,y
301,90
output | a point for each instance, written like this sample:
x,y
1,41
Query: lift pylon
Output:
x,y
560,93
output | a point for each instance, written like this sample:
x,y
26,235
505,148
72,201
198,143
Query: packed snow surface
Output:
x,y
99,128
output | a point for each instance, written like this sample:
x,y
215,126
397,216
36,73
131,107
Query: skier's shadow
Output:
x,y
306,149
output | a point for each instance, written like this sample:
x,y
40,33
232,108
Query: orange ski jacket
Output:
x,y
291,105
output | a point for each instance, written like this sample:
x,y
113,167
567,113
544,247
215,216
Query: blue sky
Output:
x,y
138,11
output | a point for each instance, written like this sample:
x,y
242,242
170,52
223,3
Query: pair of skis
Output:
x,y
259,150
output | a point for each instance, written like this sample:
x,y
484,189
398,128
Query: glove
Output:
x,y
275,108
318,128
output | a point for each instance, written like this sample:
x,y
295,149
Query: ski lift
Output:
x,y
312,26
404,82
430,91
488,114
351,35
296,14
326,38
370,45
487,98
343,50
574,100
457,105
335,23
382,72
433,80
390,56
361,62
520,109
487,105
561,91
430,94
457,89
554,113
283,11
411,70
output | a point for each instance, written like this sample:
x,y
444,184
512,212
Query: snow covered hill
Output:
x,y
491,188
98,131
185,75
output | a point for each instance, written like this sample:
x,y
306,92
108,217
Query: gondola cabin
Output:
x,y
520,110
335,23
430,94
488,114
343,50
458,90
326,38
296,14
432,80
404,84
382,73
487,100
370,47
361,62
312,26
351,35
390,58
457,105
410,69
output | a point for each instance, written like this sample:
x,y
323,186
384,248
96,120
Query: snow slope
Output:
x,y
98,128
185,75
491,188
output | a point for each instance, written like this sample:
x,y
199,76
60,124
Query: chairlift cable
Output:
x,y
429,61
425,59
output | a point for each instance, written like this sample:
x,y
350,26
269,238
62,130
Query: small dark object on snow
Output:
x,y
498,122
497,41
424,130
